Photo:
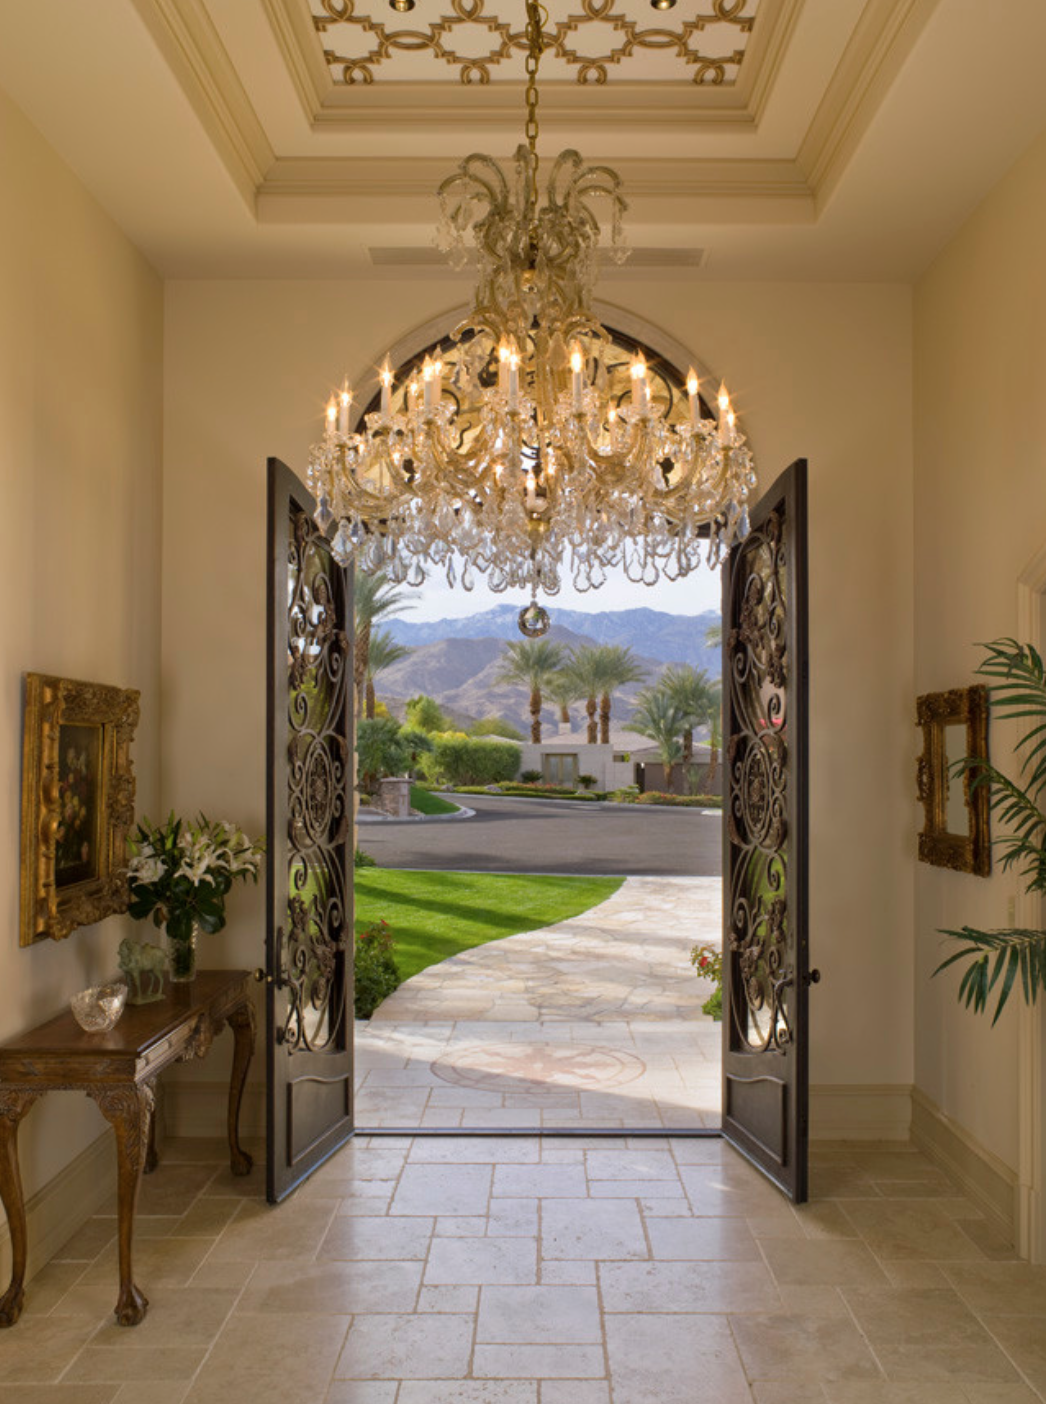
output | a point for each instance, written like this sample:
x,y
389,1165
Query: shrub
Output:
x,y
708,963
380,750
530,777
376,972
363,860
586,781
496,726
463,760
425,714
680,801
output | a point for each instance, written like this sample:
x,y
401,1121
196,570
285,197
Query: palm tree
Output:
x,y
381,654
532,663
583,668
563,689
616,666
373,597
661,719
714,635
697,695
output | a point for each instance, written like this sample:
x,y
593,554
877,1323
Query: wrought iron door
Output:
x,y
309,940
765,944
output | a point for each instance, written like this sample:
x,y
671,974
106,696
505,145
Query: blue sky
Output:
x,y
697,593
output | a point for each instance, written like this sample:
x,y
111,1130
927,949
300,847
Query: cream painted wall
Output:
x,y
980,512
80,404
816,370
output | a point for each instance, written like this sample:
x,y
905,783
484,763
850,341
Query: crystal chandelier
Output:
x,y
523,465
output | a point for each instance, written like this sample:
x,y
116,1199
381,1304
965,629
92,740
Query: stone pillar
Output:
x,y
394,796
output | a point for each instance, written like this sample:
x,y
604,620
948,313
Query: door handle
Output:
x,y
262,976
812,977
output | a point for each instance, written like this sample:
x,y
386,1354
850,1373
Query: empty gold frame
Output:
x,y
956,828
77,804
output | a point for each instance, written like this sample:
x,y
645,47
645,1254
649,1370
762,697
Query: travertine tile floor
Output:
x,y
541,1271
592,1023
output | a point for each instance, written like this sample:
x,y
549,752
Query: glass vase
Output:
x,y
181,957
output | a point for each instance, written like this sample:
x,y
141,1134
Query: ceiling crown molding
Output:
x,y
304,189
186,36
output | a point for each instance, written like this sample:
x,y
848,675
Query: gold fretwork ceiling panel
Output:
x,y
596,41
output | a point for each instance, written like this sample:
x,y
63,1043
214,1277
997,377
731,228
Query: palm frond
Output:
x,y
995,955
1017,693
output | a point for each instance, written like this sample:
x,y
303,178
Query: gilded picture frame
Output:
x,y
77,804
956,830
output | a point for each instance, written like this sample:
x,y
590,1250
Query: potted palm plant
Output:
x,y
1003,959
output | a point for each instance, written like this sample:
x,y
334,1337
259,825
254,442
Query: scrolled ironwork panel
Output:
x,y
764,936
318,793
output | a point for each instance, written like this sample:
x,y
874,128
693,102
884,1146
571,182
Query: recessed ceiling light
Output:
x,y
662,4
404,7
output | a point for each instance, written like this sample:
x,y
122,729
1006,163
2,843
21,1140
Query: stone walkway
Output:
x,y
594,1022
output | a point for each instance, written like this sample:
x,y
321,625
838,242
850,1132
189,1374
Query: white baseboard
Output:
x,y
985,1179
55,1212
864,1111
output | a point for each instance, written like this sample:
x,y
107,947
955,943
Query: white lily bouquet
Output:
x,y
180,872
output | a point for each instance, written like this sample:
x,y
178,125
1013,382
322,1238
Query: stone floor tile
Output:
x,y
430,1347
479,1261
461,1226
634,1164
540,1181
1005,1289
575,1392
910,1229
913,1316
513,1218
587,1228
361,1392
792,1347
177,1316
649,1191
58,1393
543,1362
142,1364
175,1190
337,1287
887,1392
658,1359
38,1349
259,1233
568,1273
1023,1338
469,1392
822,1262
701,1238
350,1239
550,1315
961,1363
687,1287
249,1360
160,1392
482,1150
448,1299
781,1392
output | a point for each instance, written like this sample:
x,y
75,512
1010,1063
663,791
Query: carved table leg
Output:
x,y
152,1158
128,1107
14,1103
241,1021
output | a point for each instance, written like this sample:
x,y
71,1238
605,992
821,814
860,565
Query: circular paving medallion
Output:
x,y
527,1067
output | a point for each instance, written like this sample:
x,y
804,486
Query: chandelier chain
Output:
x,y
543,457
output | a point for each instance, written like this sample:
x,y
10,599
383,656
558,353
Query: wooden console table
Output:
x,y
118,1070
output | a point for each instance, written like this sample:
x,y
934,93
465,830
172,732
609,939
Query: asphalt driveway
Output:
x,y
549,836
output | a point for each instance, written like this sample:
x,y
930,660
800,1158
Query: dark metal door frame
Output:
x,y
765,883
309,926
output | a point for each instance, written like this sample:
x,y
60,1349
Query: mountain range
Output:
x,y
456,661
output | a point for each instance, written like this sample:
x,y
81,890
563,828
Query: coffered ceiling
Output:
x,y
756,138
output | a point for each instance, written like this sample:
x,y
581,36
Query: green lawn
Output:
x,y
425,802
436,915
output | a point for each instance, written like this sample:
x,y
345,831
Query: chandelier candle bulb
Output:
x,y
513,379
692,385
344,401
332,415
386,389
577,378
427,385
725,417
640,388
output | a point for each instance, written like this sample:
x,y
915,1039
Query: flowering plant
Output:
x,y
708,962
180,872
